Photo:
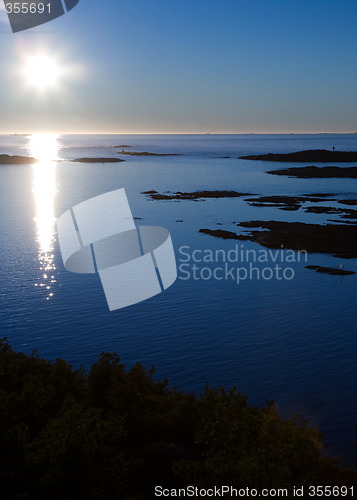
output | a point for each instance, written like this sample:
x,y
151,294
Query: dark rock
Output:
x,y
345,213
339,240
275,205
196,195
348,202
318,155
311,172
144,153
16,160
321,210
276,199
289,203
290,208
321,195
343,221
97,160
226,235
330,270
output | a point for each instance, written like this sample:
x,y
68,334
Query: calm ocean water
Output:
x,y
293,340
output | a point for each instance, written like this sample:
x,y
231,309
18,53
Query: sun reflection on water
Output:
x,y
45,147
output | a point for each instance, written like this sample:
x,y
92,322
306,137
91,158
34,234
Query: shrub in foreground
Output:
x,y
115,433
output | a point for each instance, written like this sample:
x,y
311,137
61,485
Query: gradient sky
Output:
x,y
178,66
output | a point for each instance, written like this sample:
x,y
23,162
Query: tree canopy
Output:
x,y
116,433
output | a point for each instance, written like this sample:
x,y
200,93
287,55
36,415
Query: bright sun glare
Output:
x,y
41,72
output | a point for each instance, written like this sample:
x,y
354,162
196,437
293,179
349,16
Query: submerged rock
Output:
x,y
330,270
321,195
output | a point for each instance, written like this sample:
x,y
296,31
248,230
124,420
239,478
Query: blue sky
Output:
x,y
174,66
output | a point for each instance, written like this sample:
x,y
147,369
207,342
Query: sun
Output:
x,y
41,72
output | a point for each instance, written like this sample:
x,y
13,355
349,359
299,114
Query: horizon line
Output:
x,y
173,133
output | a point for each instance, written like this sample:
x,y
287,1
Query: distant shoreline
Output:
x,y
61,133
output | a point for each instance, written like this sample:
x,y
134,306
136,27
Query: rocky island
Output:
x,y
336,239
97,160
145,153
348,202
226,235
16,160
296,202
284,202
311,172
195,195
318,155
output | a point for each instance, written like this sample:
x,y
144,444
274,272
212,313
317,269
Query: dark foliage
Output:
x,y
116,433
